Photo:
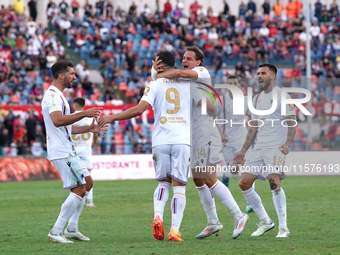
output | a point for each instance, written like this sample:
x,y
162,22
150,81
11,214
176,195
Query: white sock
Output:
x,y
279,199
73,222
67,209
254,200
208,202
224,194
90,196
160,197
177,207
253,188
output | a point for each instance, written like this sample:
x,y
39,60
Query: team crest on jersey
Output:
x,y
291,106
163,120
146,91
271,101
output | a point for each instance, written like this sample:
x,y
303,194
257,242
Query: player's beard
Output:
x,y
68,84
267,83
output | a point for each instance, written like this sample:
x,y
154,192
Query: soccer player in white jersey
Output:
x,y
61,151
270,139
233,133
206,145
84,143
170,99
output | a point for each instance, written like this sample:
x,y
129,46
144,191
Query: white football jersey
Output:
x,y
170,99
272,133
202,125
234,128
83,142
59,141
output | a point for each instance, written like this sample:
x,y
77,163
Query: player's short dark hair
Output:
x,y
168,59
271,67
80,101
60,67
198,53
233,77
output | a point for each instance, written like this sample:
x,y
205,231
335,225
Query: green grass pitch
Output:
x,y
121,222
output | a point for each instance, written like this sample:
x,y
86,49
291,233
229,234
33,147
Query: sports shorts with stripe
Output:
x,y
171,160
72,171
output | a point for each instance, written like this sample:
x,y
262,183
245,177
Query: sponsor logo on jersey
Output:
x,y
163,120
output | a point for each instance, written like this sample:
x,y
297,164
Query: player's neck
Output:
x,y
58,85
269,89
230,95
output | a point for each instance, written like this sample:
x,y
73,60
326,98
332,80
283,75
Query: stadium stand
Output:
x,y
122,43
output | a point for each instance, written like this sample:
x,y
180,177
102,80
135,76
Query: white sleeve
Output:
x,y
150,93
254,116
203,75
55,103
290,108
197,95
153,73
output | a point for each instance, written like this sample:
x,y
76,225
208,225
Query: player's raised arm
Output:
x,y
60,120
290,134
128,114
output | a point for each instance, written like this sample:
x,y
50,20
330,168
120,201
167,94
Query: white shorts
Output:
x,y
205,153
87,161
171,160
229,153
72,171
262,162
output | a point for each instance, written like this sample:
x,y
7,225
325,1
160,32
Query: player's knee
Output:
x,y
244,185
199,182
274,184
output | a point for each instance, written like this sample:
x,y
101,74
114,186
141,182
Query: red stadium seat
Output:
x,y
122,86
337,90
129,93
316,147
15,99
132,30
145,43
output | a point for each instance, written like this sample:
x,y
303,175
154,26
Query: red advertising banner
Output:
x,y
27,169
5,55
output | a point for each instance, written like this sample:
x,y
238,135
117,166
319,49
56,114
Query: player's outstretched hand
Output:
x,y
239,157
105,119
284,149
157,65
93,112
94,128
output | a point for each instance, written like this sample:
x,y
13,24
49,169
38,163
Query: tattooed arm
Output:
x,y
290,134
238,159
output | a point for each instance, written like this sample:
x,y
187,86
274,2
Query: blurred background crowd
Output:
x,y
121,44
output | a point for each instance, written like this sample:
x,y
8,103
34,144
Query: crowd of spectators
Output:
x,y
122,44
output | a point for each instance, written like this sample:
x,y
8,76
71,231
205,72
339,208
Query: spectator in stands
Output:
x,y
75,5
194,7
51,59
242,10
251,6
116,101
19,7
100,8
63,6
79,91
32,6
3,141
31,124
290,9
277,8
266,7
